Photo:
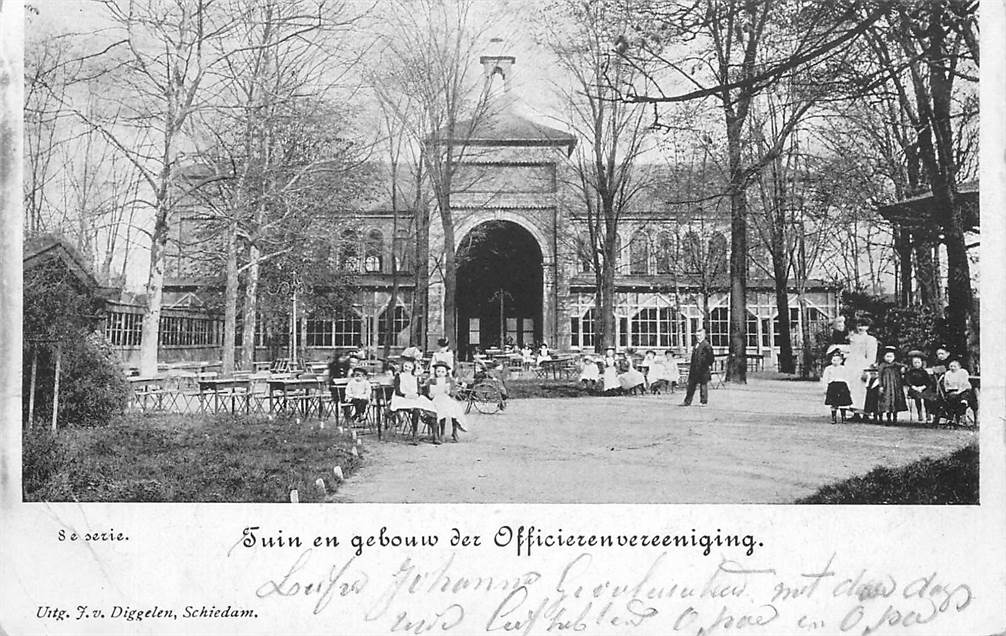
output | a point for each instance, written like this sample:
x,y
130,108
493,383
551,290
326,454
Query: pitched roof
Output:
x,y
40,249
503,125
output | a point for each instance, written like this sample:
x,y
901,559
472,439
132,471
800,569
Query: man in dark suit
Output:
x,y
700,369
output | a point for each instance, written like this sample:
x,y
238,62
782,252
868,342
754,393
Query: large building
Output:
x,y
521,274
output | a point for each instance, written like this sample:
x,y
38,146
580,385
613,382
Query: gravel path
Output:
x,y
765,442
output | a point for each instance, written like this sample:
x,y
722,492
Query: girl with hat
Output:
x,y
444,355
589,373
835,380
891,386
443,392
921,384
406,397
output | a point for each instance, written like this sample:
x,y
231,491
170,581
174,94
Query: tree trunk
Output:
x,y
736,362
785,343
249,320
608,267
805,336
389,312
422,275
230,301
925,272
450,269
149,341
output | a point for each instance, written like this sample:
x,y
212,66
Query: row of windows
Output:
x,y
357,252
665,328
126,329
691,253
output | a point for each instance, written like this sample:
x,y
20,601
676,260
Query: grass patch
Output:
x,y
952,479
188,458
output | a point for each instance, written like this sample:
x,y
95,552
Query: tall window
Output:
x,y
403,249
639,254
349,250
794,326
123,329
586,324
319,333
752,330
347,329
719,327
399,324
644,328
584,254
373,256
672,328
665,253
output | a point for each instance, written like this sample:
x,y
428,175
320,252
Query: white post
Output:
x,y
55,389
31,388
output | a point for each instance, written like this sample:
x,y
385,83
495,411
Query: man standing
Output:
x,y
701,366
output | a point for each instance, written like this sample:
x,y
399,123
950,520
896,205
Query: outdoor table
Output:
x,y
557,366
285,385
144,387
217,386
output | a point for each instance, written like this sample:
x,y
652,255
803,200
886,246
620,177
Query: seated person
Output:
x,y
921,384
630,379
357,395
958,393
590,374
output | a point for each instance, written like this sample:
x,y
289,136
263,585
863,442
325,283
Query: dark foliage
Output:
x,y
195,459
947,480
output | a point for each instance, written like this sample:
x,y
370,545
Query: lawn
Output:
x,y
952,479
187,458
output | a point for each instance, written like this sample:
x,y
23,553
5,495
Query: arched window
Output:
x,y
399,324
349,250
639,254
719,327
374,252
718,249
582,329
665,253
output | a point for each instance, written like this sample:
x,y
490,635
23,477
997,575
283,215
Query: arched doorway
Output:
x,y
500,275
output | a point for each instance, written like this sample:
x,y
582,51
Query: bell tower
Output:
x,y
496,62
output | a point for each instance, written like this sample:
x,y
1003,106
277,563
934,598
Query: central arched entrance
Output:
x,y
499,287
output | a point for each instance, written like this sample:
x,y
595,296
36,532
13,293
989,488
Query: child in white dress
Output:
x,y
443,392
630,379
589,373
406,396
610,375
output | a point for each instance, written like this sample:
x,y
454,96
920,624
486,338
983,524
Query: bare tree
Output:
x,y
734,52
612,133
428,49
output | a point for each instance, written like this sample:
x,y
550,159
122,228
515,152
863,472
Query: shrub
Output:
x,y
43,456
92,386
913,327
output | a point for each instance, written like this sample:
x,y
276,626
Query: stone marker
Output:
x,y
294,496
338,473
356,453
320,483
322,425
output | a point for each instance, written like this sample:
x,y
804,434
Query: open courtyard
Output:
x,y
770,441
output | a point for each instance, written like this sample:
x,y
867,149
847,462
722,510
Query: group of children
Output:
x,y
618,374
941,390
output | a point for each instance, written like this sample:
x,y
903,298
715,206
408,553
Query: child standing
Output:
x,y
610,375
836,384
358,394
890,375
443,392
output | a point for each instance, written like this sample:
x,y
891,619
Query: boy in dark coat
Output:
x,y
700,369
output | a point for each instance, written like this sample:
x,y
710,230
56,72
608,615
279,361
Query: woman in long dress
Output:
x,y
862,355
